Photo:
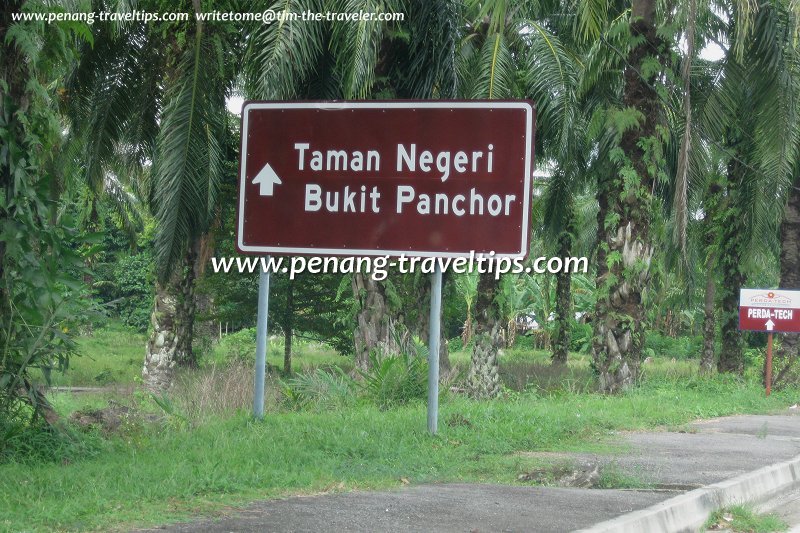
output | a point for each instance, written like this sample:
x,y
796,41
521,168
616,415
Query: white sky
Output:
x,y
712,52
235,104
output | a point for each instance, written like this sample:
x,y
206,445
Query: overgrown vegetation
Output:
x,y
317,437
743,519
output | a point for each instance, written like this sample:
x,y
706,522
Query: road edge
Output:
x,y
690,510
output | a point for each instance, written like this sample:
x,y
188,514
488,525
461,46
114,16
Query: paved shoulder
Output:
x,y
445,508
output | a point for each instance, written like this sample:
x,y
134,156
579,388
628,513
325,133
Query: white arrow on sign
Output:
x,y
770,324
267,179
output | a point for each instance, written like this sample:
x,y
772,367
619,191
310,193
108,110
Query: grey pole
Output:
x,y
261,341
433,346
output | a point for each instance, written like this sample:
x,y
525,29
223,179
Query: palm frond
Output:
x,y
188,165
432,51
356,46
281,56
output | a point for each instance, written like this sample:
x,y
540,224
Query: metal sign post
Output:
x,y
261,342
769,364
433,347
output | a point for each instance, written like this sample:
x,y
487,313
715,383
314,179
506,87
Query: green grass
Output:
x,y
110,356
149,474
306,355
742,519
114,355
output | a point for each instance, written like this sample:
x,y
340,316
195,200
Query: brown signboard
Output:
x,y
770,310
420,178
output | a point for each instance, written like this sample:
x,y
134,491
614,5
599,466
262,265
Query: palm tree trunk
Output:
x,y
172,320
563,310
711,203
731,357
187,310
375,327
160,360
626,208
709,322
789,351
483,380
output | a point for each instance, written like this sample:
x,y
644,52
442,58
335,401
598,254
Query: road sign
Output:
x,y
421,178
770,310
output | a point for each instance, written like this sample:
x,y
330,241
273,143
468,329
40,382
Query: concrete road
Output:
x,y
710,451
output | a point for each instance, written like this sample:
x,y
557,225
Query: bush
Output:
x,y
455,344
581,337
40,443
128,282
656,344
240,346
395,379
525,342
319,390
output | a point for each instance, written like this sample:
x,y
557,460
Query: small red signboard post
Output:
x,y
769,310
415,178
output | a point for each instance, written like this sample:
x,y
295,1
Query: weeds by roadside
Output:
x,y
743,519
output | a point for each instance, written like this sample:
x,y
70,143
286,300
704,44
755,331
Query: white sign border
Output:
x,y
792,295
483,104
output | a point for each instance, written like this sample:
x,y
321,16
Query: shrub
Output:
x,y
678,347
525,342
127,282
395,379
455,344
240,346
40,443
319,390
581,337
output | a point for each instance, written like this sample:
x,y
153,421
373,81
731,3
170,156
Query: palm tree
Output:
x,y
626,200
571,228
512,51
153,96
751,117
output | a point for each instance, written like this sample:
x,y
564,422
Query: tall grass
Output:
x,y
219,390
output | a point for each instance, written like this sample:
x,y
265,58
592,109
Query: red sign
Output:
x,y
774,310
421,178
